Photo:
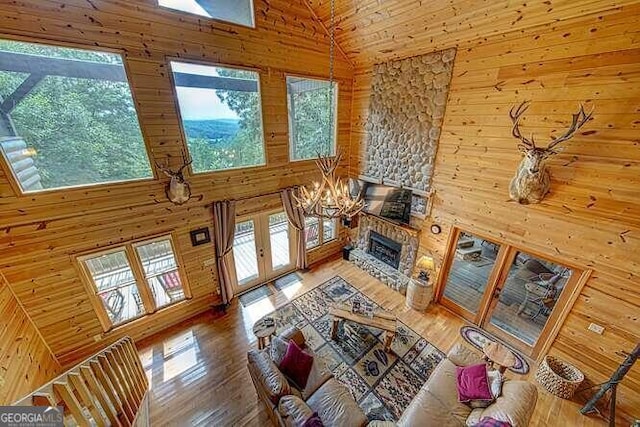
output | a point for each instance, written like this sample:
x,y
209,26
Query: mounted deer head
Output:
x,y
178,189
531,182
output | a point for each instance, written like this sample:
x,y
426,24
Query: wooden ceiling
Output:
x,y
372,31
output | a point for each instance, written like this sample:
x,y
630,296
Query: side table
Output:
x,y
419,294
263,329
496,353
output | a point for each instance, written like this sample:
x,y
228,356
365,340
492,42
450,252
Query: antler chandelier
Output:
x,y
331,197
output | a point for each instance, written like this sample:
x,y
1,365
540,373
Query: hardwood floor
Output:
x,y
197,369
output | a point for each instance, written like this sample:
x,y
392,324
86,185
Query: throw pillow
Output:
x,y
492,422
495,385
313,421
296,365
472,383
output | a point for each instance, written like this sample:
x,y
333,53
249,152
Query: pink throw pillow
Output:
x,y
472,383
296,364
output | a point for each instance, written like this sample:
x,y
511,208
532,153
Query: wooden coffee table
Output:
x,y
379,320
500,355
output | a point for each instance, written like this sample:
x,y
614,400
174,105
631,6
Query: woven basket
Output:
x,y
559,378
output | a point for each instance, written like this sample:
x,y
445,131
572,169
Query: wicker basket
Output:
x,y
559,378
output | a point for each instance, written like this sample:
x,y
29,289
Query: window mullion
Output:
x,y
142,284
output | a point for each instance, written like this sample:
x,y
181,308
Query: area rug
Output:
x,y
478,338
382,383
257,294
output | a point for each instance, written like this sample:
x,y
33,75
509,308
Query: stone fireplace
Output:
x,y
385,250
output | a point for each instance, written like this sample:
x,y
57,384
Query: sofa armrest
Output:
x,y
295,334
461,355
515,405
270,383
294,411
378,423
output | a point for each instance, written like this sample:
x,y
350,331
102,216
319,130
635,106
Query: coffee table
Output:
x,y
263,329
498,354
380,320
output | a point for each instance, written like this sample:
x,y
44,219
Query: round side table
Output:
x,y
263,329
419,294
497,354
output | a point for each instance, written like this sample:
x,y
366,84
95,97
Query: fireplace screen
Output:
x,y
385,249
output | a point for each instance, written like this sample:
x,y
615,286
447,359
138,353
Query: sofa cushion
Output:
x,y
294,411
495,385
472,383
492,422
437,401
515,405
268,378
335,406
278,349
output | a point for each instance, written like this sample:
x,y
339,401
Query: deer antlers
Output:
x,y
578,120
171,173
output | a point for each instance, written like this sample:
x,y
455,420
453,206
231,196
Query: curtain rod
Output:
x,y
240,199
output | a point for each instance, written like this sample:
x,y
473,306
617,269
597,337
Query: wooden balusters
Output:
x,y
108,389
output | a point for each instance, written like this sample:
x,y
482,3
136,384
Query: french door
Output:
x,y
513,294
263,248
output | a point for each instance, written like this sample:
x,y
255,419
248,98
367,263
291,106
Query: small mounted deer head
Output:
x,y
178,189
531,182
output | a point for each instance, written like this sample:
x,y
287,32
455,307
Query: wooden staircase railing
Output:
x,y
108,389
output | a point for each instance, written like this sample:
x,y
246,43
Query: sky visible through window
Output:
x,y
200,103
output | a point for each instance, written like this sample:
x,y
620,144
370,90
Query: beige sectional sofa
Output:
x,y
436,404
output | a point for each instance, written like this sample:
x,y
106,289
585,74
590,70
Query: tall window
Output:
x,y
67,117
236,11
312,125
318,232
221,116
132,280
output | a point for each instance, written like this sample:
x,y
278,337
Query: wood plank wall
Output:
x,y
41,233
592,216
25,360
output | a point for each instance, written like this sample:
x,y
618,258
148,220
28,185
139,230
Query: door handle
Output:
x,y
496,293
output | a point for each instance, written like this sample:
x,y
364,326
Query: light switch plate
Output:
x,y
596,328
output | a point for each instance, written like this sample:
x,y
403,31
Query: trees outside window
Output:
x,y
67,117
312,117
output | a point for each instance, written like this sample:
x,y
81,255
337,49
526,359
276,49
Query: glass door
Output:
x,y
514,295
262,249
470,272
524,301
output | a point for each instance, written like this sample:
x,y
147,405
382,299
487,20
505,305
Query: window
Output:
x,y
236,11
312,126
319,232
221,116
67,117
130,281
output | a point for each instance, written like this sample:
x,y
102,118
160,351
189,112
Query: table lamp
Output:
x,y
426,266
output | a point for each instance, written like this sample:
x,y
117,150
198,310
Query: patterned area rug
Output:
x,y
478,338
382,383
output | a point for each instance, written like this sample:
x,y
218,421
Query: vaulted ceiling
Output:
x,y
372,31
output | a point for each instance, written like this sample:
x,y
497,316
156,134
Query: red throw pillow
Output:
x,y
313,421
296,364
472,383
492,422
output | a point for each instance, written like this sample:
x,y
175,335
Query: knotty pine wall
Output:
x,y
42,233
592,216
25,360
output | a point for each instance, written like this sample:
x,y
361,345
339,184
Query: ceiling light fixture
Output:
x,y
331,197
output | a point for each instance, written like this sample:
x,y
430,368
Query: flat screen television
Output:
x,y
388,202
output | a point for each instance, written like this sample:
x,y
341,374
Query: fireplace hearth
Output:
x,y
384,249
